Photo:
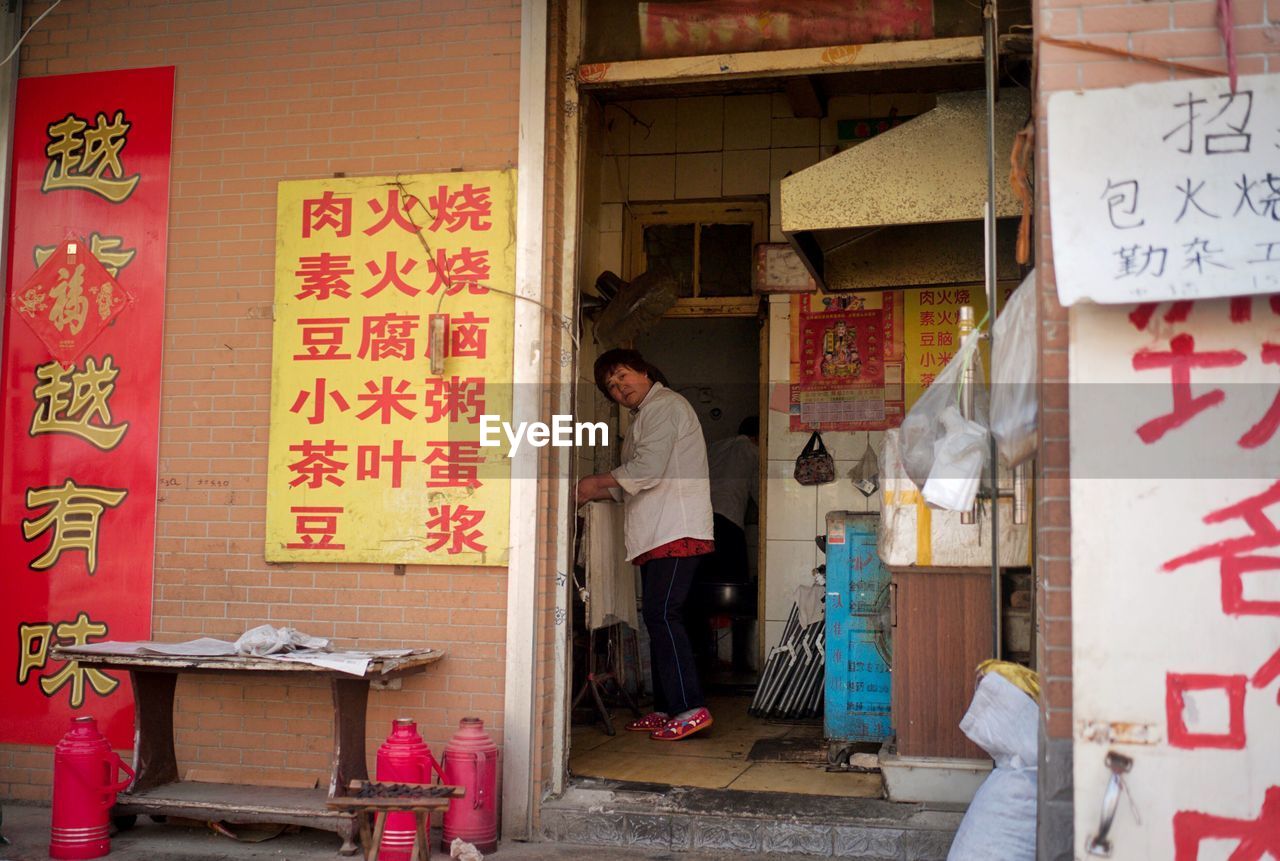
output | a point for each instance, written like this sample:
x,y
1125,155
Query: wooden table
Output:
x,y
157,790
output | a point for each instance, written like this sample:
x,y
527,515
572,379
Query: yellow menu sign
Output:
x,y
373,456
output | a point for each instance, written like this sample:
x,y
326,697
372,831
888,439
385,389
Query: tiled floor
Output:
x,y
715,758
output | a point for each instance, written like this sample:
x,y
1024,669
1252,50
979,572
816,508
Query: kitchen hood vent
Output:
x,y
874,216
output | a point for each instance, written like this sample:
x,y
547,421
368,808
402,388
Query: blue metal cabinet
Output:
x,y
858,681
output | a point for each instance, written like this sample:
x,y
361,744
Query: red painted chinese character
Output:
x,y
468,336
317,527
383,401
318,404
1180,359
390,275
322,338
1236,555
468,207
318,463
454,525
1270,421
455,464
389,336
326,213
1180,736
1255,838
393,213
462,271
324,275
369,461
455,397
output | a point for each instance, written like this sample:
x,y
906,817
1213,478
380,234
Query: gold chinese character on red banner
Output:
x,y
36,640
73,514
69,300
88,157
68,400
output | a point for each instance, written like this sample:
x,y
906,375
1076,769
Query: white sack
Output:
x,y
1000,824
266,640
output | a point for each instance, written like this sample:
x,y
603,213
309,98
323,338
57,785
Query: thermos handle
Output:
x,y
479,800
110,791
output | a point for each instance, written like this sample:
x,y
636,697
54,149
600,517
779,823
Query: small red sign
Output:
x,y
70,300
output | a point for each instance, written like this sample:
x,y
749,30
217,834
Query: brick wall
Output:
x,y
270,90
1185,31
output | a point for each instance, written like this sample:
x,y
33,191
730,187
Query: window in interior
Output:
x,y
707,247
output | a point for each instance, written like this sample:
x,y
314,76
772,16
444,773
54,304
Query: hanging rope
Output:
x,y
1226,25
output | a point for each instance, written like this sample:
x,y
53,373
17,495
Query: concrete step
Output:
x,y
613,813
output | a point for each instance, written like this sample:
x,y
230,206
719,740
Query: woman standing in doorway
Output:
x,y
667,522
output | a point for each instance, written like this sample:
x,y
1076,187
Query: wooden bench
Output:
x,y
367,808
157,790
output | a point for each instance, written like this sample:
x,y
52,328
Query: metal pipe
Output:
x,y
966,394
1020,494
990,50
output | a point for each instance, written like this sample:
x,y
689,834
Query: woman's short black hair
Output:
x,y
610,360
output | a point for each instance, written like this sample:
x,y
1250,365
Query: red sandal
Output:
x,y
650,722
683,727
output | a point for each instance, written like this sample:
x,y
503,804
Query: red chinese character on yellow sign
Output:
x,y
70,300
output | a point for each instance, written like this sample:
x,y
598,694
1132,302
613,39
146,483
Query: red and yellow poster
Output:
x,y
83,334
375,453
846,361
860,361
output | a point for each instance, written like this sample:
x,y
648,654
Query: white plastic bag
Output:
x,y
958,457
1000,824
266,640
922,427
1014,401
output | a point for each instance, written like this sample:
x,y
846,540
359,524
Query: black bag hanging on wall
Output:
x,y
815,465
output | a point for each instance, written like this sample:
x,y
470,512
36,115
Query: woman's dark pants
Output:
x,y
666,584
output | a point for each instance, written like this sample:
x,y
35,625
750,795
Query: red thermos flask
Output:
x,y
471,761
84,789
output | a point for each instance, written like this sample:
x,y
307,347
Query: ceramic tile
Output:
x,y
614,171
674,770
617,131
654,128
840,495
780,106
610,217
783,163
746,171
794,131
747,121
700,124
653,177
848,107
791,564
789,506
610,253
698,175
808,780
779,341
773,635
784,443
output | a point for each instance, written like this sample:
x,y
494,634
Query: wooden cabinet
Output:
x,y
942,632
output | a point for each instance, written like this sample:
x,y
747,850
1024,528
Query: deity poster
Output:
x,y
81,371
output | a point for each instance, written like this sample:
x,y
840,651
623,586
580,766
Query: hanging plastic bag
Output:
x,y
1014,401
866,475
1001,820
958,457
922,427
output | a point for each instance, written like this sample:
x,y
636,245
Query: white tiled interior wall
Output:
x,y
796,514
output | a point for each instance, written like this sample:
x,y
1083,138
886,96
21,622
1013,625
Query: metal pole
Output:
x,y
990,49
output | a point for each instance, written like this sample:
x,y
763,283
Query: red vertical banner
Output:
x,y
83,335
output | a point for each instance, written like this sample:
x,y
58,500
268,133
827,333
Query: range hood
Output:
x,y
906,207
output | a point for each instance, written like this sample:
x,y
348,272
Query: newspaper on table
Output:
x,y
354,662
